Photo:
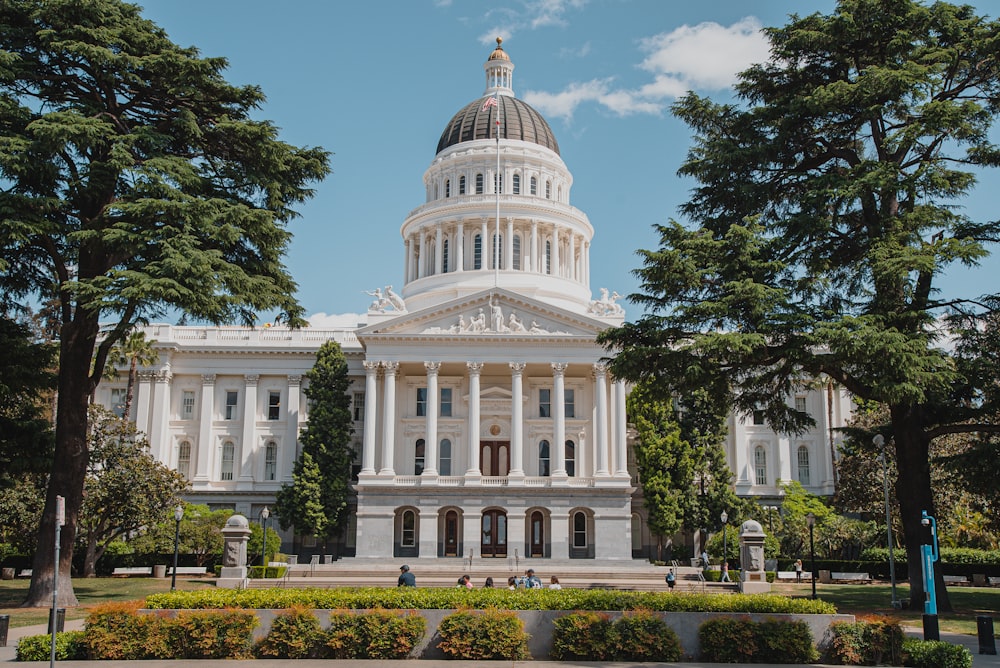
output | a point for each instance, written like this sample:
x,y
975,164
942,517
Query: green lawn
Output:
x,y
876,599
89,592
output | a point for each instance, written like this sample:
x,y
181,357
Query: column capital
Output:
x,y
390,367
559,368
294,380
371,367
251,379
600,369
475,368
517,368
164,376
432,368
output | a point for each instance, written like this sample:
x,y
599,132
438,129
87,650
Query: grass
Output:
x,y
89,592
876,599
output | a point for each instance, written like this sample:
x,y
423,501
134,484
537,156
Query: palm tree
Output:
x,y
133,350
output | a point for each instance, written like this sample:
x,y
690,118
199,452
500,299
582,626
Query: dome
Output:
x,y
499,53
518,120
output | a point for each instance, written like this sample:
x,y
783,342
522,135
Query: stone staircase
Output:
x,y
572,573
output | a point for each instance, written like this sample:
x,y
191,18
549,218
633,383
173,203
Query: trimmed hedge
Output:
x,y
409,598
69,647
935,654
636,636
735,640
483,634
867,642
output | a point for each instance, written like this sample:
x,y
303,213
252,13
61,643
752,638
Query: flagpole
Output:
x,y
496,187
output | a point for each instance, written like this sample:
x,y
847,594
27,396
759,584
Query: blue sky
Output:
x,y
375,82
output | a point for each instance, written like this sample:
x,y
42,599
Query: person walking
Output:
x,y
725,571
671,580
798,570
704,559
406,578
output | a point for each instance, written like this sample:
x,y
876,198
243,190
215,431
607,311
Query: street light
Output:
x,y
878,440
725,551
264,514
811,521
770,517
178,516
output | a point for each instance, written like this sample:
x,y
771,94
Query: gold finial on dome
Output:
x,y
499,53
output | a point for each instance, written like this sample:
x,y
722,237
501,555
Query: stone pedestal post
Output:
x,y
236,533
753,579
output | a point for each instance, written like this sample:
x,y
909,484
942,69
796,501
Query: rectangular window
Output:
x,y
184,459
479,184
758,416
421,401
803,460
271,461
409,533
232,398
800,404
760,465
445,402
358,406
570,403
544,403
228,454
444,457
477,252
274,405
187,405
118,397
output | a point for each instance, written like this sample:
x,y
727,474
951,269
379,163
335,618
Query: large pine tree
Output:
x,y
823,212
135,181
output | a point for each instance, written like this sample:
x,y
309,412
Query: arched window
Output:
x,y
548,190
447,188
184,459
579,529
570,458
498,184
760,464
517,251
444,256
444,457
543,458
534,185
548,257
477,252
461,185
497,249
803,457
271,461
479,184
517,184
418,457
408,534
228,454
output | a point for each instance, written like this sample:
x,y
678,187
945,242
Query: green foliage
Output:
x,y
69,647
294,634
427,598
949,555
866,642
267,572
376,634
636,636
21,505
643,636
316,501
200,534
585,636
488,634
273,543
935,654
733,640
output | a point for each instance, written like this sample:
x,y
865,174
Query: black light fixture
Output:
x,y
811,521
725,547
178,516
264,514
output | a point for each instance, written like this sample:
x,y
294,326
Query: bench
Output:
x,y
851,577
24,573
188,570
126,571
955,579
790,575
993,580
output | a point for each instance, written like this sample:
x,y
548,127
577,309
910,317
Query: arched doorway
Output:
x,y
494,458
494,534
536,540
451,534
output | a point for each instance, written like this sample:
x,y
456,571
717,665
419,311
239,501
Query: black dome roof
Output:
x,y
517,121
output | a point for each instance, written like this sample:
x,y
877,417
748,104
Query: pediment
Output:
x,y
491,313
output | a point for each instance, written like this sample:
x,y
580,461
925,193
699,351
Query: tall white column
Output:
x,y
571,260
205,417
371,411
475,368
421,255
555,252
559,420
601,427
508,245
248,445
621,444
290,449
486,246
516,421
438,250
460,247
389,420
408,262
431,427
143,394
534,264
159,445
586,263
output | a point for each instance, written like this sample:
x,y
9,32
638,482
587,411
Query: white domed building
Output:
x,y
486,422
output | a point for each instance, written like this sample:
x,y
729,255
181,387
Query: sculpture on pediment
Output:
x,y
497,315
385,299
606,305
394,299
478,322
515,325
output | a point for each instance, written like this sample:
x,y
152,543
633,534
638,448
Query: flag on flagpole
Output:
x,y
490,102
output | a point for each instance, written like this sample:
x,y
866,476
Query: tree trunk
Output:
x,y
130,388
69,465
90,558
913,491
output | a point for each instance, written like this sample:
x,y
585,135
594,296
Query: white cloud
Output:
x,y
531,15
706,57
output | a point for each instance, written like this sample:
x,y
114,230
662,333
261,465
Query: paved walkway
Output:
x,y
7,655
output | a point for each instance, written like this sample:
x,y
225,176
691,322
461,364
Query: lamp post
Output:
x,y
811,521
725,545
770,518
929,554
878,440
178,516
264,514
